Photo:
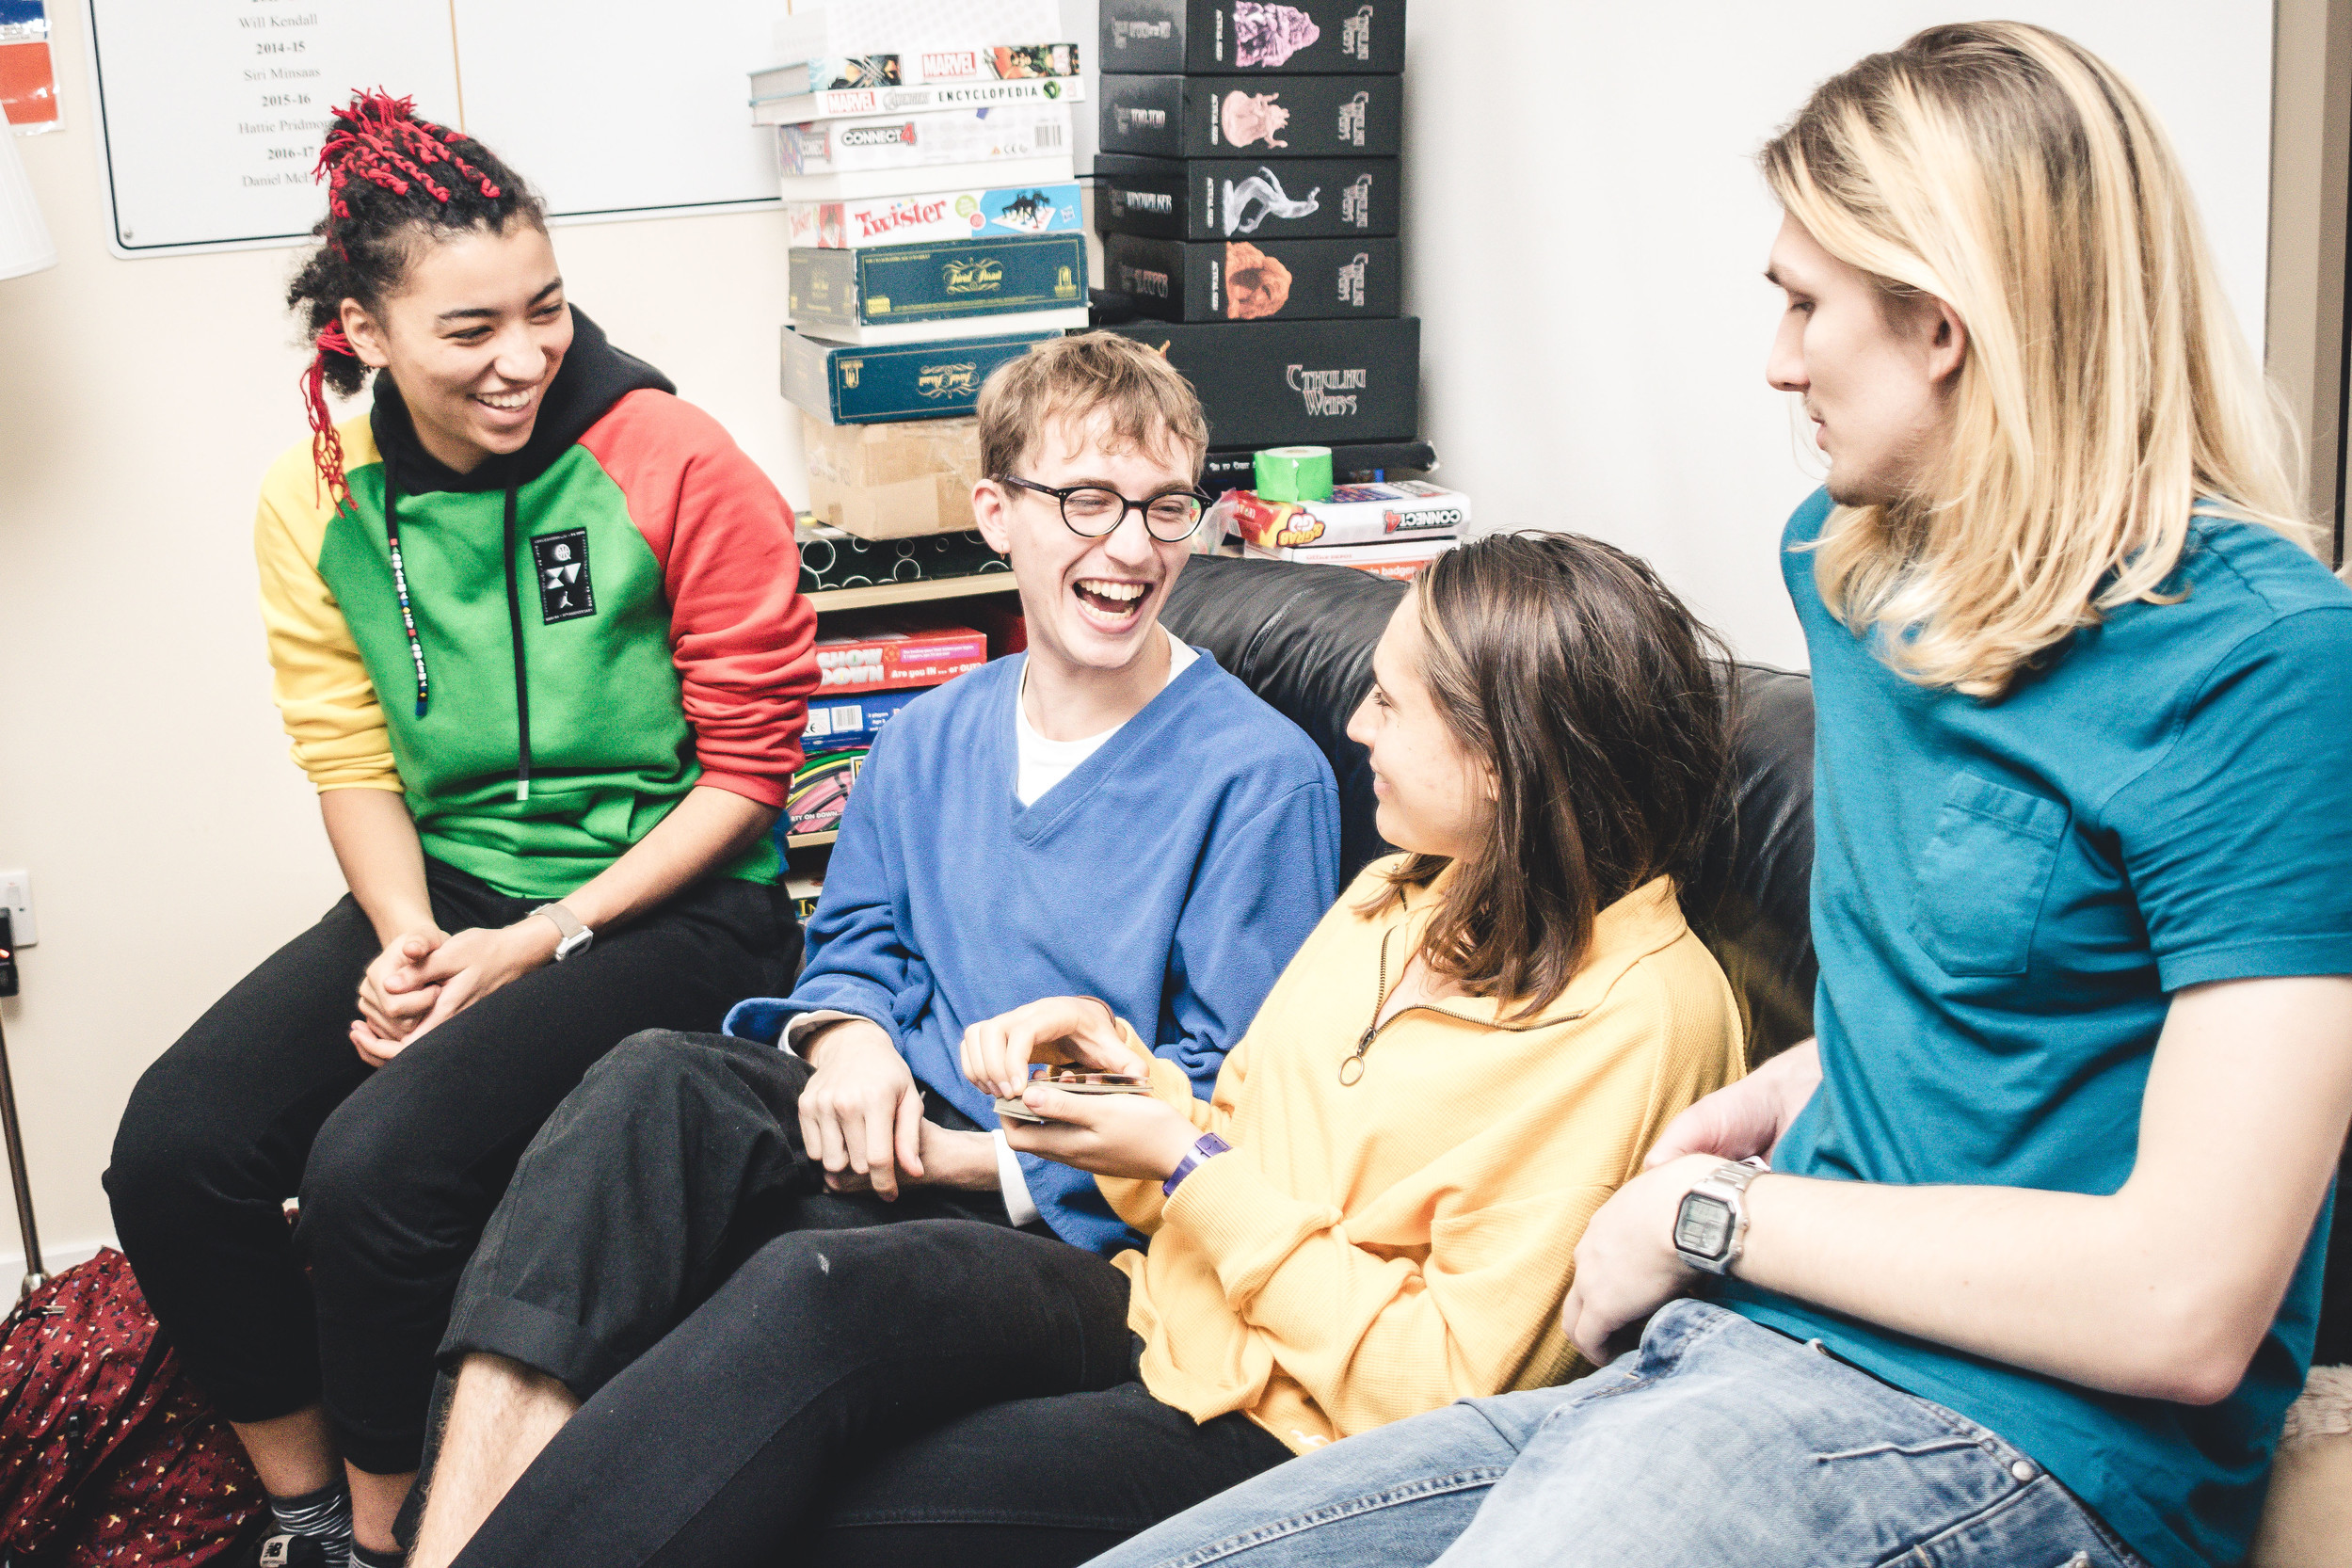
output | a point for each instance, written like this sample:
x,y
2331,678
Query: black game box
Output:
x,y
1280,199
1250,37
1237,469
1281,383
1242,280
1218,117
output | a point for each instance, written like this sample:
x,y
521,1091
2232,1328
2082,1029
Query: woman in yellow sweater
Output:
x,y
1377,1213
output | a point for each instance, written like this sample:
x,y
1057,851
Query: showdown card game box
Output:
x,y
1243,280
1251,36
881,654
1217,117
1280,199
1282,383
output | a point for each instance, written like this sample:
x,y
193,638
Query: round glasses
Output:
x,y
1092,511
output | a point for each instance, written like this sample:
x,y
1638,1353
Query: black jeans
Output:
x,y
771,1370
398,1169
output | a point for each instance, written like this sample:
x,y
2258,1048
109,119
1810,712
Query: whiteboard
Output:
x,y
211,112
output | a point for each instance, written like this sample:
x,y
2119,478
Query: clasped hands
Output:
x,y
1626,1265
427,976
861,1112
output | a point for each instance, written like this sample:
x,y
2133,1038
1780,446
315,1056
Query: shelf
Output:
x,y
810,840
912,593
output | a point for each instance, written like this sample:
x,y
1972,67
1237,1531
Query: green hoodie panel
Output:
x,y
611,749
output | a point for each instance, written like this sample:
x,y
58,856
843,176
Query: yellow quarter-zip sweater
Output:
x,y
1373,1251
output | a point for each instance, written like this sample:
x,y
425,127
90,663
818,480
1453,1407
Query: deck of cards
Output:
x,y
1075,1081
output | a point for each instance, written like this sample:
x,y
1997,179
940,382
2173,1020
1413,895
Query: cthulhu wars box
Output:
x,y
1276,383
1218,117
840,385
1284,199
1251,36
1242,280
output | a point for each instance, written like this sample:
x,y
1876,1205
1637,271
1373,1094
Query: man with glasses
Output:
x,y
1108,815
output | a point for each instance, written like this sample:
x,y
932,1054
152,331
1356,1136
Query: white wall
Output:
x,y
1584,237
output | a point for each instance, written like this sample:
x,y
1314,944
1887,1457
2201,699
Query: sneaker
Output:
x,y
279,1549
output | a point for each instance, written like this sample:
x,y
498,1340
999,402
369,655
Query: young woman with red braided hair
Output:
x,y
535,634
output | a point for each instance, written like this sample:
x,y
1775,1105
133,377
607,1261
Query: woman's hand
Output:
x,y
1746,1118
997,1051
394,1000
463,969
1626,1265
1140,1136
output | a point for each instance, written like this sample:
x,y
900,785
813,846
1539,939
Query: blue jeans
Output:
x,y
1716,1442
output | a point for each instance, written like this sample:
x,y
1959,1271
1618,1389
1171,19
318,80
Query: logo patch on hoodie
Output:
x,y
565,591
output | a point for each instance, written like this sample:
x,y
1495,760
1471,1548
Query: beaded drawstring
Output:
x,y
400,587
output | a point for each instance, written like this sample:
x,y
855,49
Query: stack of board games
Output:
x,y
1247,197
925,159
1390,530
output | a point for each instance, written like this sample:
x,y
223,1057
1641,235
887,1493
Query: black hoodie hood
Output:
x,y
593,376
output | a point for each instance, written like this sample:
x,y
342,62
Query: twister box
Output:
x,y
948,215
1276,383
1216,117
1249,37
1241,280
1213,198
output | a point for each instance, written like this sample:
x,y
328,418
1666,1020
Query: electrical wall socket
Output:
x,y
16,892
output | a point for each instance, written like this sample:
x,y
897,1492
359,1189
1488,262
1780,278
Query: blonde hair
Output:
x,y
2105,396
1148,404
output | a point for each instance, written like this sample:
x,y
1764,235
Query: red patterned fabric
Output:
x,y
107,1455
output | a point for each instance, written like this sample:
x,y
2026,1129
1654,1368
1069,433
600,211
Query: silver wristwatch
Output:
x,y
1711,1227
576,937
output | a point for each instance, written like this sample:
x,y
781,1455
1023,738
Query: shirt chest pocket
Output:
x,y
1983,877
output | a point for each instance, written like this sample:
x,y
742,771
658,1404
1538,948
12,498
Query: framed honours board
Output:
x,y
211,112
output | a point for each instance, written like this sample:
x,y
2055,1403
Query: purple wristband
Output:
x,y
1207,1145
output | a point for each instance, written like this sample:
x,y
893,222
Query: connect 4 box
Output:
x,y
879,654
1354,515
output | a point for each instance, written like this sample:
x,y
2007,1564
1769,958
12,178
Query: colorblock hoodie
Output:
x,y
604,618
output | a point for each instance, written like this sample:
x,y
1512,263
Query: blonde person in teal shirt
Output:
x,y
2035,1271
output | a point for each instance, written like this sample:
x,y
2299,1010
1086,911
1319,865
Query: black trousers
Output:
x,y
398,1169
772,1373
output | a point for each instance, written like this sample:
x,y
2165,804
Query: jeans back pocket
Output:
x,y
1983,875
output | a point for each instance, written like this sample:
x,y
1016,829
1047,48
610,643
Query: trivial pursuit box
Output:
x,y
948,215
885,286
843,385
1209,198
1251,36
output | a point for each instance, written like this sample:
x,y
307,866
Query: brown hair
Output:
x,y
1597,703
1149,405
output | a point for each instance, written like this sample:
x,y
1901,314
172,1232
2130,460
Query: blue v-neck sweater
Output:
x,y
1173,875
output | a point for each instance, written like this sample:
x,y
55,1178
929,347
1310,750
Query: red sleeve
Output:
x,y
742,635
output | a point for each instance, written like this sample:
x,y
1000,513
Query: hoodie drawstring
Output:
x,y
522,686
400,586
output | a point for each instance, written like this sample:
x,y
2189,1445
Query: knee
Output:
x,y
363,1172
171,1159
649,1064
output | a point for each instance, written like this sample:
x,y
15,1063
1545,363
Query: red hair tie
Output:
x,y
326,445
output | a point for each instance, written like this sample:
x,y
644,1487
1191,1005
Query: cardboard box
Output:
x,y
893,481
1355,514
838,724
1243,280
1402,561
1274,199
840,385
1284,383
1216,117
983,213
1216,37
921,98
1237,469
834,294
931,140
882,653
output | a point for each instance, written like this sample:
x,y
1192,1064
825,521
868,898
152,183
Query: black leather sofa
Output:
x,y
1301,638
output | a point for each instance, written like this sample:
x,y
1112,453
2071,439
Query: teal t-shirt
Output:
x,y
2005,896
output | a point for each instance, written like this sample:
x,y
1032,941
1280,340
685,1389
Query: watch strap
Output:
x,y
573,935
1203,1148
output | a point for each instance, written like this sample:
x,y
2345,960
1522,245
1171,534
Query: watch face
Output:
x,y
1703,1227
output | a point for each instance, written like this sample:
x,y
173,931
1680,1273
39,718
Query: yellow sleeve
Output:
x,y
1373,1336
1138,1200
323,692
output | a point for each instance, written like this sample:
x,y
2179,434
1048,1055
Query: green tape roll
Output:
x,y
1294,474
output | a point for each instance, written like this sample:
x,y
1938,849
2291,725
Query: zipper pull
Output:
x,y
1352,1070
